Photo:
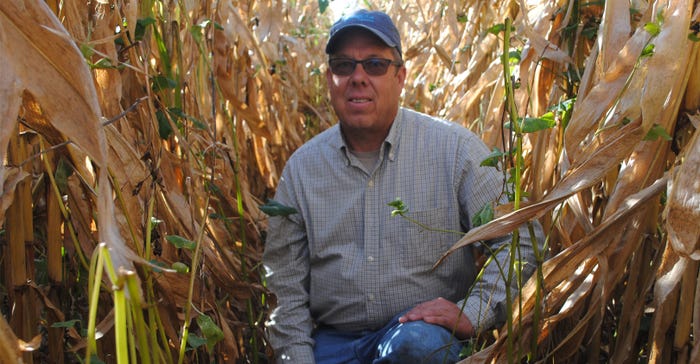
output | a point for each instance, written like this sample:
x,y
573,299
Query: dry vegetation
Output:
x,y
158,127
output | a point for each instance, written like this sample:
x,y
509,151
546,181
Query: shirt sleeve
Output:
x,y
485,306
286,262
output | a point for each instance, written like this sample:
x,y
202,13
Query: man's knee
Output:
x,y
418,342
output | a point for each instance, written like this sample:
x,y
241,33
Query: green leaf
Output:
x,y
63,171
213,187
141,25
155,264
500,27
323,5
652,28
196,32
164,127
159,83
532,125
656,132
274,208
195,341
210,330
400,208
483,216
564,109
648,51
176,111
87,51
181,242
103,63
94,359
493,158
197,123
497,28
65,324
180,115
180,267
693,37
514,57
589,32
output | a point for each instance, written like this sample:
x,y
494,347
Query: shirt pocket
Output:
x,y
425,239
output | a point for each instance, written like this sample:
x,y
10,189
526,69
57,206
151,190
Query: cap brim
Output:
x,y
342,31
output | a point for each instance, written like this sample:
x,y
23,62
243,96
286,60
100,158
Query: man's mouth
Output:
x,y
359,100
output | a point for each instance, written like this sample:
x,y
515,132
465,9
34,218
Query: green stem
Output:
x,y
193,277
138,322
64,210
157,354
120,341
94,281
429,228
537,309
516,128
120,306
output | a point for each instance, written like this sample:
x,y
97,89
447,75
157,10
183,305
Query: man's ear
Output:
x,y
401,74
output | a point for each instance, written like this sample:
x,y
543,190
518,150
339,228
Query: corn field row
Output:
x,y
139,139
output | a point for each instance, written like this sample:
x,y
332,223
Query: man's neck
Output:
x,y
364,140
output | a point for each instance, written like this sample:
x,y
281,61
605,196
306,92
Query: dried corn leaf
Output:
x,y
589,110
683,206
46,63
591,169
665,76
614,31
560,269
9,344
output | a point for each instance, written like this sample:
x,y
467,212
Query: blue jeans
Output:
x,y
414,342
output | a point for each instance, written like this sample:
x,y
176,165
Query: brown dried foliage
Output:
x,y
248,89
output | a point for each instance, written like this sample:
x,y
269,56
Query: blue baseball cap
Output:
x,y
376,22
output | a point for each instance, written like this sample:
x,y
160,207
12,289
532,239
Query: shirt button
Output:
x,y
370,297
370,258
371,183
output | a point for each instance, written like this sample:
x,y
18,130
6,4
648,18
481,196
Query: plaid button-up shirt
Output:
x,y
344,261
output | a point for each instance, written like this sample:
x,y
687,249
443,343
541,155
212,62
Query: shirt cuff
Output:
x,y
296,354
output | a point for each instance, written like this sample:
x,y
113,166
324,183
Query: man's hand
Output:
x,y
444,313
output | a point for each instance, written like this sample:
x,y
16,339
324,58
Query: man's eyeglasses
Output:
x,y
372,66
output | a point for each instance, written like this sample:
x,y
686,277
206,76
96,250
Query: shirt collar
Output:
x,y
390,143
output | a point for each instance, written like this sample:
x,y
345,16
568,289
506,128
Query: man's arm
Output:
x,y
478,186
486,304
286,261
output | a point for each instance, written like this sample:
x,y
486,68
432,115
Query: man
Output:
x,y
354,284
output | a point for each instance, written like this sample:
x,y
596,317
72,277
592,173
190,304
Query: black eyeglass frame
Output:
x,y
372,61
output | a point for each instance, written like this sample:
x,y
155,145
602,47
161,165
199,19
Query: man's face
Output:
x,y
365,104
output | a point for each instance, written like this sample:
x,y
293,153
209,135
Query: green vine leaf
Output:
x,y
399,207
493,158
656,132
323,5
274,208
652,28
181,242
211,331
483,216
180,267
